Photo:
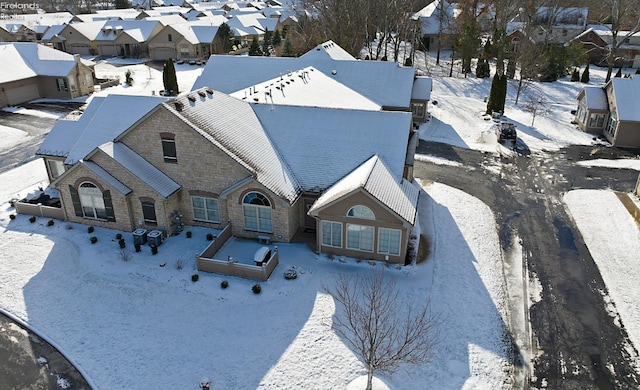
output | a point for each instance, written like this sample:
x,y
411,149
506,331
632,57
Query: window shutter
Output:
x,y
75,199
108,206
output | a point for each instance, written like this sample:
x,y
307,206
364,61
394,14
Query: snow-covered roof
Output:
x,y
422,87
21,60
139,30
306,87
328,50
595,98
384,83
140,168
195,34
106,176
53,31
232,126
627,93
115,114
89,30
374,178
322,145
167,20
437,17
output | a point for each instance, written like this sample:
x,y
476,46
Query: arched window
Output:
x,y
92,201
359,211
257,212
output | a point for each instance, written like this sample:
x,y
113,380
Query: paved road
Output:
x,y
572,340
29,362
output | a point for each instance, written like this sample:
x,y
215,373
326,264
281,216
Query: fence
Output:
x,y
206,263
39,210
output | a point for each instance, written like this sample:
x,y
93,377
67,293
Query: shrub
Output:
x,y
154,250
93,239
195,277
224,284
137,246
257,289
32,219
118,236
209,237
90,229
12,216
122,243
50,222
179,264
188,233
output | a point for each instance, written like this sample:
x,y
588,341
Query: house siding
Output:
x,y
337,212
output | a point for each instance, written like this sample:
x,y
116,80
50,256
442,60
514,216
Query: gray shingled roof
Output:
x,y
232,126
106,176
141,168
374,178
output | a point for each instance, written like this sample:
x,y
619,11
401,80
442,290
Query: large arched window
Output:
x,y
360,211
92,201
257,212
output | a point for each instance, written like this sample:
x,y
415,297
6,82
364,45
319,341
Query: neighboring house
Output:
x,y
558,24
597,42
184,41
127,38
266,165
420,96
78,38
621,120
17,32
593,110
437,24
32,71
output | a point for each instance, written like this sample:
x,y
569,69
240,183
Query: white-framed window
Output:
x,y
332,234
92,201
389,241
257,212
205,209
360,237
417,109
360,211
56,168
613,122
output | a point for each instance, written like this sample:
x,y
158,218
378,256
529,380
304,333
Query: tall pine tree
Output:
x,y
169,78
498,94
254,49
585,75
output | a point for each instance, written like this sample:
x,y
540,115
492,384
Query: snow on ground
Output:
x,y
18,182
136,324
623,164
29,111
10,137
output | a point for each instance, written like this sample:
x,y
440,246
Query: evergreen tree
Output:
x,y
277,39
619,72
254,49
266,43
226,35
467,43
169,78
575,75
482,69
511,68
287,49
487,49
585,75
122,4
498,94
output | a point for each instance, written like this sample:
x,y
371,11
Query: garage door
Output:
x,y
22,94
79,48
107,50
163,53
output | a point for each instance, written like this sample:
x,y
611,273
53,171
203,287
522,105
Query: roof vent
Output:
x,y
210,91
191,98
202,94
334,72
178,105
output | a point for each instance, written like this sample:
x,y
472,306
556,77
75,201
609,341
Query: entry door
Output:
x,y
309,222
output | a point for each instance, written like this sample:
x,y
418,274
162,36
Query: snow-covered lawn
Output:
x,y
136,324
10,137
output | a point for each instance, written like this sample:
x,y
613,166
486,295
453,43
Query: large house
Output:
x,y
598,42
31,71
250,159
612,110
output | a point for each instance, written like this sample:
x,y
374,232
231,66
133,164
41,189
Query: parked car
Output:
x,y
506,131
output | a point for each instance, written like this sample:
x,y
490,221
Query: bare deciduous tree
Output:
x,y
382,331
617,15
537,105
